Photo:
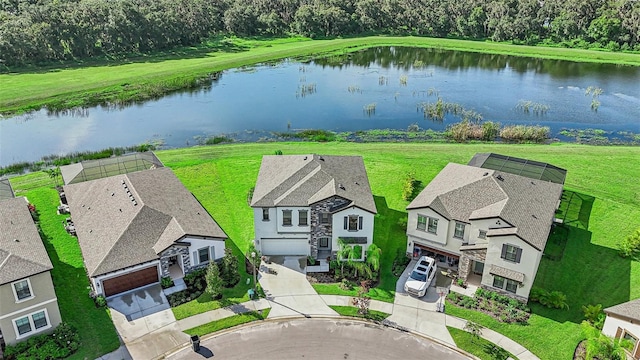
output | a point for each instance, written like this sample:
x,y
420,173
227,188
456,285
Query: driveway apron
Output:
x,y
145,322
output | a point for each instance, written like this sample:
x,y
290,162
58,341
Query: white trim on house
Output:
x,y
15,293
28,308
32,324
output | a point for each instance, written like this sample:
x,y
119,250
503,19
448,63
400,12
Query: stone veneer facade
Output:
x,y
318,229
176,250
466,258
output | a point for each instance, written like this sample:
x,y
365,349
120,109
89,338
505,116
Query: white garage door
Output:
x,y
285,247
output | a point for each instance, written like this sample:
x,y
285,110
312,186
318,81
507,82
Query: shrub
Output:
x,y
311,260
63,342
100,301
229,269
166,282
553,299
630,246
409,189
594,315
345,284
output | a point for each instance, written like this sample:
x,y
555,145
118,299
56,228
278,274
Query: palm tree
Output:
x,y
600,346
373,257
343,254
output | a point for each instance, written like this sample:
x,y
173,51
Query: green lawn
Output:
x,y
149,76
97,333
478,347
353,312
228,322
590,271
221,176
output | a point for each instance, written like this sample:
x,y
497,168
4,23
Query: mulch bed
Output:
x,y
581,351
323,278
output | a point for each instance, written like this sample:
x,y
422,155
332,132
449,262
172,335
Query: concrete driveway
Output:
x,y
289,292
145,322
408,310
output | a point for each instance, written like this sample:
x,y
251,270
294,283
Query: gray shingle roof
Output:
x,y
6,191
462,193
301,180
27,256
630,310
117,230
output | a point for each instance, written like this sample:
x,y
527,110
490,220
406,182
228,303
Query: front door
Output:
x,y
478,267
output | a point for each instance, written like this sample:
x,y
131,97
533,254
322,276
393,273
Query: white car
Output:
x,y
421,276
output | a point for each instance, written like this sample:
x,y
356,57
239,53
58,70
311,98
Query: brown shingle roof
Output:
x,y
630,310
301,180
26,256
462,193
125,220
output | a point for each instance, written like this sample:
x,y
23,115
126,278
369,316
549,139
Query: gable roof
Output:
x,y
301,180
629,310
128,219
463,193
22,253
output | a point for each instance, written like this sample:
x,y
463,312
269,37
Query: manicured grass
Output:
x,y
97,333
353,311
229,322
478,347
221,177
148,77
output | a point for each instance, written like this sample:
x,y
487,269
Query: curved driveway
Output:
x,y
318,339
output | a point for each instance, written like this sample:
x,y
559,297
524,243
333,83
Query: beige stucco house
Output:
x,y
28,302
623,322
135,228
303,204
488,224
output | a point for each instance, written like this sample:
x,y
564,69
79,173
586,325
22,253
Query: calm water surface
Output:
x,y
332,93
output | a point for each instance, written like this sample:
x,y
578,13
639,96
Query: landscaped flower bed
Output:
x,y
503,308
63,342
196,284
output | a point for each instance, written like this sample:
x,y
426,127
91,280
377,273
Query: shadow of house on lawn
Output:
x,y
390,236
586,273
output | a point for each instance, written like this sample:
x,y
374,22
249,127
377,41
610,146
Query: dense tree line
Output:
x,y
40,31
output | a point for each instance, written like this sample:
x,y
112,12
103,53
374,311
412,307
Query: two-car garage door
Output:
x,y
130,281
285,246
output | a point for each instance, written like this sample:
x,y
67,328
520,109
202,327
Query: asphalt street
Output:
x,y
318,339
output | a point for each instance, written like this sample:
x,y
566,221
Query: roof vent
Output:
x,y
485,174
356,183
122,181
499,177
341,187
321,158
533,216
532,183
305,158
16,240
112,194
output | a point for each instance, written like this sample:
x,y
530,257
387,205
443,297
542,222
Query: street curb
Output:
x,y
325,317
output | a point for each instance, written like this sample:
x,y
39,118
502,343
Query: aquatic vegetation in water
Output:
x,y
403,80
595,93
369,109
528,106
383,80
306,89
437,111
354,89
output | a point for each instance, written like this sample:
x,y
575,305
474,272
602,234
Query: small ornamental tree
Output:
x,y
214,281
362,301
229,269
474,328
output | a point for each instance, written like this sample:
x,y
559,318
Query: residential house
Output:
x,y
28,302
491,225
304,203
623,322
135,228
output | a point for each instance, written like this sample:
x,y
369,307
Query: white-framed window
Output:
x,y
459,231
323,242
498,282
512,286
286,217
303,218
422,222
325,217
22,290
203,255
432,227
31,324
353,222
265,214
511,253
482,234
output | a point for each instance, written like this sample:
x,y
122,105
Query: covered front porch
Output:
x,y
174,265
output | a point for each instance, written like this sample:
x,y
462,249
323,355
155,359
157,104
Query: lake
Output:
x,y
333,94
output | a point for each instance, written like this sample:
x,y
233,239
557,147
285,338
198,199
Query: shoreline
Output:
x,y
145,78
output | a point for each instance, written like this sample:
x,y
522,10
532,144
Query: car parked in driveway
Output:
x,y
421,276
